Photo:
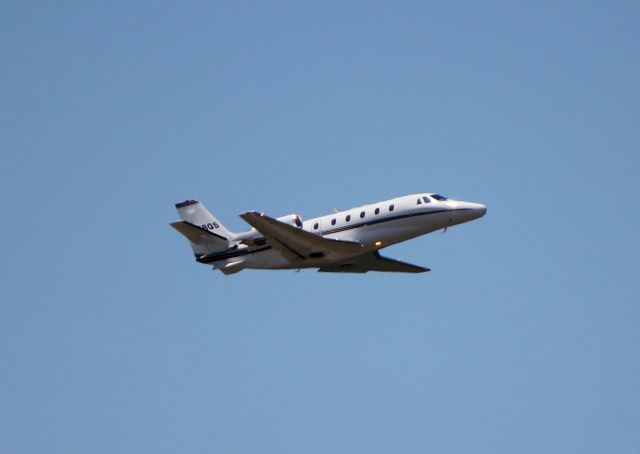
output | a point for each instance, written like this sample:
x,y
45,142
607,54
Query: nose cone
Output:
x,y
467,211
480,210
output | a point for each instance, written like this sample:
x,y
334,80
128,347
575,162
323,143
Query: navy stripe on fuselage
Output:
x,y
210,258
383,219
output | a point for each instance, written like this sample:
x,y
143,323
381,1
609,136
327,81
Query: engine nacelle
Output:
x,y
255,238
291,219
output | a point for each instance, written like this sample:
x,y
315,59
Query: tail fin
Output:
x,y
205,232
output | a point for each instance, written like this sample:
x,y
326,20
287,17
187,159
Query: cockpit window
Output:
x,y
426,199
419,201
439,197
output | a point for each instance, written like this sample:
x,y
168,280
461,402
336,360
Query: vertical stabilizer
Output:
x,y
196,213
204,231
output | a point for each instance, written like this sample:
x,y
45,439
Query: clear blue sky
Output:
x,y
525,336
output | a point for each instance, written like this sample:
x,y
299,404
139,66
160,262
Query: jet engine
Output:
x,y
253,237
291,219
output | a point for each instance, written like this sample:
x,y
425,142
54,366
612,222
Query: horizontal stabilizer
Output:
x,y
202,241
196,234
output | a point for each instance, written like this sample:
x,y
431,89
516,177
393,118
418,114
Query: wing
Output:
x,y
298,245
373,262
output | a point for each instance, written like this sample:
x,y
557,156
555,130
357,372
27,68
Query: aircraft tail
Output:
x,y
205,233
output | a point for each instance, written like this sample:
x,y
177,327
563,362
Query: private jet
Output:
x,y
346,241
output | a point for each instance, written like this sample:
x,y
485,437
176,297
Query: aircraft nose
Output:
x,y
476,210
466,211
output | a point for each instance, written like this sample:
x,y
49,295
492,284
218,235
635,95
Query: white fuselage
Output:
x,y
375,226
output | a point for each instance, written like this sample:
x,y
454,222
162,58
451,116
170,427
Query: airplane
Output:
x,y
346,241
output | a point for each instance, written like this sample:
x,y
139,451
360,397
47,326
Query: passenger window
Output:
x,y
391,207
348,218
419,202
315,226
333,222
362,214
377,211
426,199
